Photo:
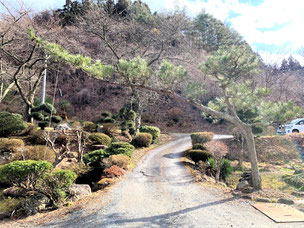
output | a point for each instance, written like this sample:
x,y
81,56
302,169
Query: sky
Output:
x,y
273,28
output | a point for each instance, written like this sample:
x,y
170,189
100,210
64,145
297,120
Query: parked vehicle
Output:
x,y
280,130
295,126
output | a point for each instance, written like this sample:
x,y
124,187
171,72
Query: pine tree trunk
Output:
x,y
241,159
256,179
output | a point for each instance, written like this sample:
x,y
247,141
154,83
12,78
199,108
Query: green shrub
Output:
x,y
10,205
199,155
296,180
154,131
199,147
120,160
43,124
109,120
37,116
10,124
56,119
142,140
121,148
257,130
201,137
95,157
89,126
106,115
225,167
46,107
10,145
100,138
56,184
24,173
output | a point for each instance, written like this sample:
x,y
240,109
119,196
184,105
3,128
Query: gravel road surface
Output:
x,y
161,192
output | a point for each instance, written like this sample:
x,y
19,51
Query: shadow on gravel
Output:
x,y
97,219
174,155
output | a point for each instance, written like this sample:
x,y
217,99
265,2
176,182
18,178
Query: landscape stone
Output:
x,y
79,191
298,194
263,200
242,185
4,215
63,126
285,201
34,203
14,192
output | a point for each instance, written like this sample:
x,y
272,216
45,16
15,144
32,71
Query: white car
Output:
x,y
295,126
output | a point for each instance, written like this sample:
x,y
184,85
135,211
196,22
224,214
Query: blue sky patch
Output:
x,y
233,14
287,47
252,2
276,27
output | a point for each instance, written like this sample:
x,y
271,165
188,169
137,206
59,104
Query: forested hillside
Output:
x,y
111,32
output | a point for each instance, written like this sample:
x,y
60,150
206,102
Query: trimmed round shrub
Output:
x,y
11,124
56,119
201,137
37,116
36,153
47,107
142,140
95,157
24,173
43,124
89,126
120,160
154,131
10,145
106,115
199,155
109,120
56,184
199,147
35,137
130,124
100,138
121,148
257,130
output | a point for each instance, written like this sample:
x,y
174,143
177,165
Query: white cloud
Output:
x,y
276,59
266,15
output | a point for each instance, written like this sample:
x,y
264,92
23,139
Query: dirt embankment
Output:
x,y
271,149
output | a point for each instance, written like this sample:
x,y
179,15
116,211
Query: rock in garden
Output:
x,y
35,203
285,201
242,185
263,200
104,182
4,215
247,190
298,194
14,192
64,126
246,176
79,191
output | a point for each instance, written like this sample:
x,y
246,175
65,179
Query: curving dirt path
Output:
x,y
161,192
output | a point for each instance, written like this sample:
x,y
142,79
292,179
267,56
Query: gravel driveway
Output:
x,y
160,192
